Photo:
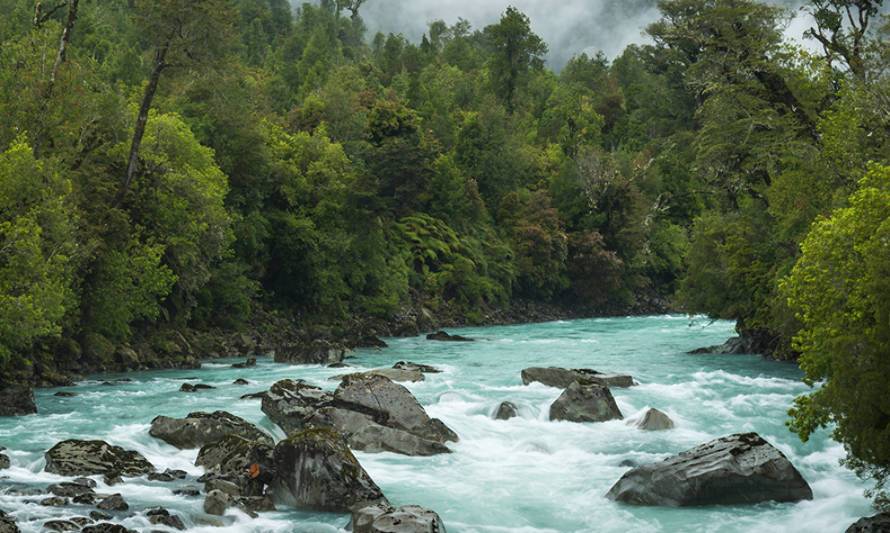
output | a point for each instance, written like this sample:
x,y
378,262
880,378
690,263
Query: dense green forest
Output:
x,y
173,166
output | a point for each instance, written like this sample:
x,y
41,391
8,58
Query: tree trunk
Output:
x,y
142,118
63,45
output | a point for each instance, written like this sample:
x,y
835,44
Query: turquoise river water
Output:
x,y
523,475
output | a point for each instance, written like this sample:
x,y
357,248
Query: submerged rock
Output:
x,y
563,377
314,469
733,470
60,525
94,457
251,362
585,402
188,387
65,394
447,337
408,365
382,518
199,429
505,411
17,400
240,381
879,523
654,420
316,352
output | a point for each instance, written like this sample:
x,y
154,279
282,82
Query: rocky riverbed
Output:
x,y
428,434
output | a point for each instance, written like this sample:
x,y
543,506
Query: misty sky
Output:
x,y
568,26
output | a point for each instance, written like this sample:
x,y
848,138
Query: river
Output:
x,y
523,475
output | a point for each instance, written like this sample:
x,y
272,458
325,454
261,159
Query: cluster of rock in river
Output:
x,y
314,467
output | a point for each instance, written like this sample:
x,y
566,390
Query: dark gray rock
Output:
x,y
229,456
17,400
252,505
408,365
395,374
317,352
85,481
54,501
4,461
216,503
251,362
115,502
7,524
162,517
100,516
167,476
87,458
65,394
879,523
229,487
585,402
505,411
382,518
254,396
371,411
371,341
199,429
240,381
85,499
314,469
60,525
106,527
68,489
732,346
188,387
112,478
187,491
563,377
446,337
733,470
654,420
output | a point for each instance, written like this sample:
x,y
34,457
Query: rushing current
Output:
x,y
526,474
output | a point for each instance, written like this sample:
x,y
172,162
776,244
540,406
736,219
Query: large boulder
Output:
x,y
395,374
315,470
318,352
216,502
373,413
17,400
227,458
585,402
290,402
393,403
879,523
198,429
563,377
382,518
733,470
654,420
94,457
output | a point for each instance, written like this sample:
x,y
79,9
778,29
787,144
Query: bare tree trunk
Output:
x,y
142,118
63,45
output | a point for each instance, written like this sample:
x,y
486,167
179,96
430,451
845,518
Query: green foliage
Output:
x,y
840,291
516,51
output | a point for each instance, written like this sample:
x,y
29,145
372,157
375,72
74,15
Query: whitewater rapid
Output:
x,y
526,474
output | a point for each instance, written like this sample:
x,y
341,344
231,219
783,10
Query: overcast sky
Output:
x,y
568,26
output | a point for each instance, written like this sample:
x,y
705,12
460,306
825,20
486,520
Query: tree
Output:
x,y
515,51
182,33
842,28
840,291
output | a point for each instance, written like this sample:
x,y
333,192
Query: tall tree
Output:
x,y
182,33
842,28
516,50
